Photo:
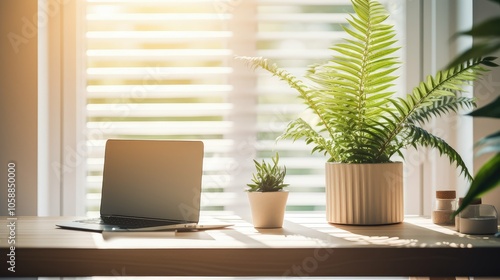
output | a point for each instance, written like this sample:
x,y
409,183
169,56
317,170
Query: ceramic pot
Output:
x,y
364,194
268,208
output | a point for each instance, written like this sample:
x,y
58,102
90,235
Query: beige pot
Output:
x,y
364,194
268,208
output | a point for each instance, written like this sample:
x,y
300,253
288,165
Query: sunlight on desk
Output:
x,y
300,230
306,245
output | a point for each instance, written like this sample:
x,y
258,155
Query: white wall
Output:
x,y
19,102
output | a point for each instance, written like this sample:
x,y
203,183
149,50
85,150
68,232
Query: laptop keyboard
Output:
x,y
127,222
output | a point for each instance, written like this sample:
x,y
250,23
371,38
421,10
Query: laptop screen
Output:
x,y
152,179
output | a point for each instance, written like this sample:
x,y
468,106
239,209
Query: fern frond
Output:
x,y
357,81
293,82
421,136
445,85
441,107
311,97
299,128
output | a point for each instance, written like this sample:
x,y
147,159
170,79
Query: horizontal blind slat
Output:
x,y
301,35
159,53
161,128
303,17
138,17
159,35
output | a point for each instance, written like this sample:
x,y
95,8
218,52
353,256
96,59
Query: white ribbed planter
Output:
x,y
268,208
364,194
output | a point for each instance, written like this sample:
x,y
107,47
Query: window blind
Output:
x,y
166,70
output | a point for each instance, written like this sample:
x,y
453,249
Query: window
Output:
x,y
163,70
166,70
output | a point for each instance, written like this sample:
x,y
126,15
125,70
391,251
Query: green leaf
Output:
x,y
356,43
382,39
400,106
486,28
349,52
358,24
375,47
489,144
421,136
491,110
381,78
487,178
440,107
383,53
382,96
355,34
268,178
478,50
490,148
374,65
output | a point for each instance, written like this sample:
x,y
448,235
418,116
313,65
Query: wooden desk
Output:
x,y
306,245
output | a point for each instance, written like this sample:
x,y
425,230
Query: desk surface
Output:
x,y
305,246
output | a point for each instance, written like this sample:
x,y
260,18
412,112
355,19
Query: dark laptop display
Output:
x,y
150,185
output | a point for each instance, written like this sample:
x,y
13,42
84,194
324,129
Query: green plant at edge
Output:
x,y
269,177
488,175
360,120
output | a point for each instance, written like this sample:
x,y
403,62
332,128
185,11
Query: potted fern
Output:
x,y
266,195
361,124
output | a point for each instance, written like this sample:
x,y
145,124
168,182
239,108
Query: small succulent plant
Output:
x,y
269,177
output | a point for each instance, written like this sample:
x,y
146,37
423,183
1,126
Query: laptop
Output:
x,y
149,185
